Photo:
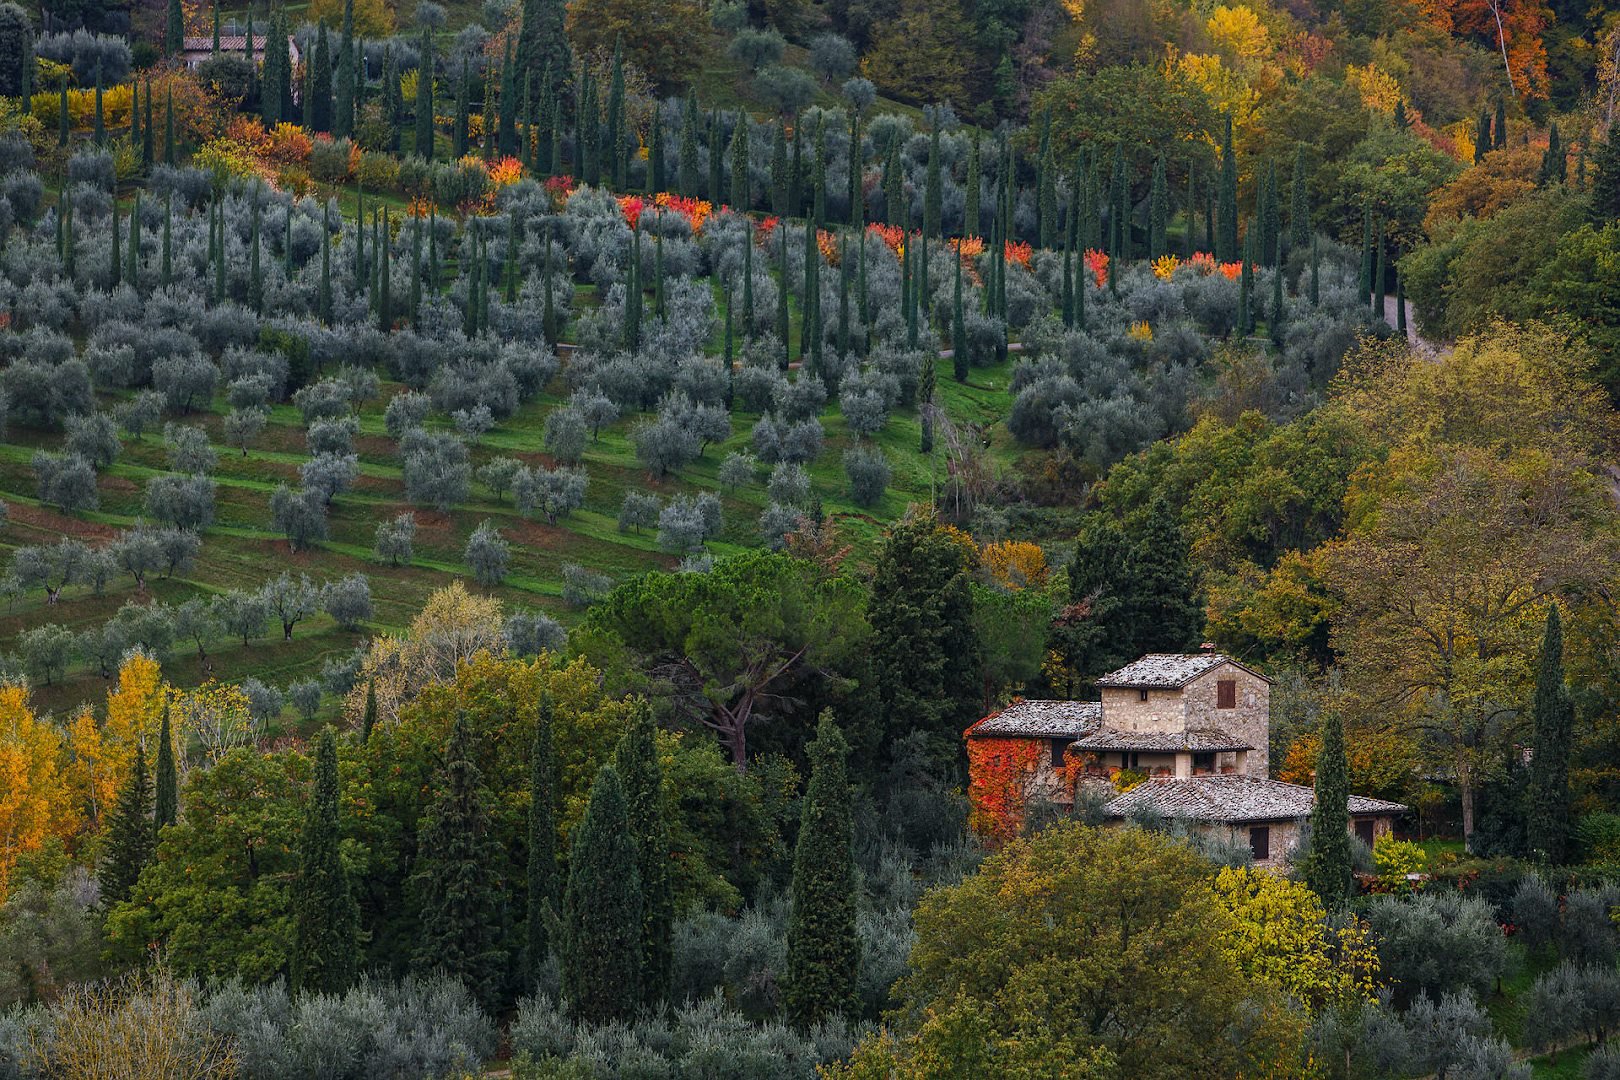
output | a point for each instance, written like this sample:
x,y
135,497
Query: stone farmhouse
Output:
x,y
1191,729
195,50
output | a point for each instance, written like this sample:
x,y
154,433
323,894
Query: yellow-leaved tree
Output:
x,y
1279,935
35,804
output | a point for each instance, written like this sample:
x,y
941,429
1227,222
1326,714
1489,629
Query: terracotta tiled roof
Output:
x,y
227,43
1231,798
1042,720
1201,740
1167,671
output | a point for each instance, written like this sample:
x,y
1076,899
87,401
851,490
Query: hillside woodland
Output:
x,y
507,510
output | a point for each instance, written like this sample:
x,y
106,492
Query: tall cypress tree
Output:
x,y
856,167
1328,869
63,129
1482,136
1159,211
174,29
129,838
779,169
166,807
1271,226
326,920
894,210
1226,235
823,951
716,196
343,82
795,201
636,761
603,918
506,133
393,104
459,141
741,191
690,181
543,893
616,151
424,98
1553,715
457,883
270,74
319,112
542,48
1499,129
657,173
1299,205
1164,601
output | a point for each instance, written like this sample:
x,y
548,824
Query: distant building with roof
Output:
x,y
195,50
1177,736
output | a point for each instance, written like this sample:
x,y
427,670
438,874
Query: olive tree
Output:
x,y
487,554
291,601
394,539
66,481
348,600
299,515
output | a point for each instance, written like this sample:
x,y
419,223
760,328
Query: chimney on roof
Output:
x,y
1208,646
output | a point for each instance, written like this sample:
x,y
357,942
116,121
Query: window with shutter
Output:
x,y
1226,694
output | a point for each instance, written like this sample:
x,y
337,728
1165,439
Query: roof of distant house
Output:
x,y
1168,671
1042,720
1198,740
1231,798
228,43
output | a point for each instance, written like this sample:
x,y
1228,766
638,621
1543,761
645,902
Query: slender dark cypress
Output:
x,y
1553,714
1328,869
602,919
424,98
636,761
543,892
166,807
823,951
129,839
959,356
325,955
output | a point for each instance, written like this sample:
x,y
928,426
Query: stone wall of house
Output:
x,y
1250,720
1123,710
1284,838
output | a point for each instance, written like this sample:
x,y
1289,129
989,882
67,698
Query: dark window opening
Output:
x,y
1365,831
1141,694
1226,694
1058,746
1260,842
1204,761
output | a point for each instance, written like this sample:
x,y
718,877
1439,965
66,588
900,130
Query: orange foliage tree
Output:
x,y
1513,27
35,805
1013,564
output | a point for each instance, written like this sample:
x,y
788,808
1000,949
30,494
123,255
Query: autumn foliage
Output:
x,y
998,773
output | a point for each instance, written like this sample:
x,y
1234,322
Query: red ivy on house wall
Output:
x,y
998,774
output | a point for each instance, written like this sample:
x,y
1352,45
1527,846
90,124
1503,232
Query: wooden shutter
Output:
x,y
1226,694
